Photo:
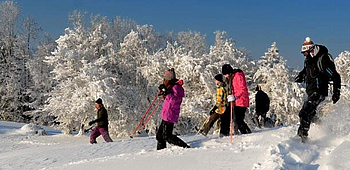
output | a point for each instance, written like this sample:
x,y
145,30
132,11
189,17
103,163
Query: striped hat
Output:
x,y
307,44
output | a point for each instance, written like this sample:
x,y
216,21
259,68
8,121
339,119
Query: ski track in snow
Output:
x,y
264,149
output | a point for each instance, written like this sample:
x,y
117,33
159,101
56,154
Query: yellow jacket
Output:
x,y
221,98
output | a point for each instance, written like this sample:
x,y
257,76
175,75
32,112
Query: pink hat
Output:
x,y
170,74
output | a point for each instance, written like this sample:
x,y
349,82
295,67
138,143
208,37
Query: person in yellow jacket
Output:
x,y
220,104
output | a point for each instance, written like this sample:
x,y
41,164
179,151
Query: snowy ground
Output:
x,y
265,149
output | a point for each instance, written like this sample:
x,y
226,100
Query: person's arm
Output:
x,y
301,76
331,72
238,85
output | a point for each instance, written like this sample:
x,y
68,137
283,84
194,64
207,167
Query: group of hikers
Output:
x,y
232,99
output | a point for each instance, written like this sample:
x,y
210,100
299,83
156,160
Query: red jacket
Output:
x,y
239,89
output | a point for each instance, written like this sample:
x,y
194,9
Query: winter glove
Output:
x,y
91,122
231,98
212,111
299,78
162,89
336,96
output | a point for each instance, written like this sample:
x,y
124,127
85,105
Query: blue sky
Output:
x,y
253,24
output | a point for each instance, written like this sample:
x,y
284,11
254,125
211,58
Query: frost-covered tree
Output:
x,y
342,63
119,28
42,80
79,61
286,97
192,42
12,65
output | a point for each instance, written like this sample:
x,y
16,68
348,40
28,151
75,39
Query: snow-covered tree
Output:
x,y
78,62
286,97
342,63
42,80
12,65
192,42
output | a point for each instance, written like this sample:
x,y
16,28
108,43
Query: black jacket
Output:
x,y
102,117
318,71
262,101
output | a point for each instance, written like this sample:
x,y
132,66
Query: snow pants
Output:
x,y
100,131
212,119
308,112
165,134
239,113
256,119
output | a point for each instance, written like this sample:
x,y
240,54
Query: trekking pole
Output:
x,y
132,135
231,122
150,115
205,122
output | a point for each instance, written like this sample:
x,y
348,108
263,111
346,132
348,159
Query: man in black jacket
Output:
x,y
318,70
102,123
262,106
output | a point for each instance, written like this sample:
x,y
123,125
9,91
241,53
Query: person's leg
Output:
x,y
212,119
94,134
307,113
225,123
105,134
240,114
256,119
173,139
263,119
161,143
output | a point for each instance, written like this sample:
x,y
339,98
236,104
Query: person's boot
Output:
x,y
161,145
303,135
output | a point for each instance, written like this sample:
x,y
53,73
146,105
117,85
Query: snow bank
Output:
x,y
30,129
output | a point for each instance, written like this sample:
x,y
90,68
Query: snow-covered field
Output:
x,y
267,149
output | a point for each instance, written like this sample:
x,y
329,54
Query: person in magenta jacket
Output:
x,y
172,91
238,94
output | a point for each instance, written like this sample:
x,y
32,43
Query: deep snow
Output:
x,y
265,149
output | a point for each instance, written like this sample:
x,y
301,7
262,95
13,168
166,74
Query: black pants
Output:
x,y
165,134
239,113
308,112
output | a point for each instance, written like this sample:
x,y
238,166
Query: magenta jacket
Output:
x,y
171,106
240,90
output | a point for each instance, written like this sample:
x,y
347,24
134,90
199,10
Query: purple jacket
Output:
x,y
171,106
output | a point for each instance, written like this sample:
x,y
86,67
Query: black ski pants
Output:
x,y
239,113
308,112
165,134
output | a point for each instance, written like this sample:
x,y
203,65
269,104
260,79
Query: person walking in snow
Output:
x,y
238,94
102,123
318,70
262,106
172,91
220,104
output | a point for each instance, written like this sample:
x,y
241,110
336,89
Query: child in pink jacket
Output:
x,y
172,91
238,95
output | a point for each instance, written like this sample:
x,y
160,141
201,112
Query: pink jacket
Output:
x,y
240,90
171,106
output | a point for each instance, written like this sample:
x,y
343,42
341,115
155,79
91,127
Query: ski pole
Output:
x,y
131,136
231,122
150,115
